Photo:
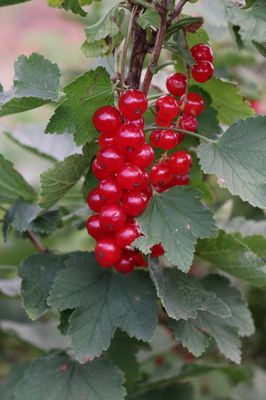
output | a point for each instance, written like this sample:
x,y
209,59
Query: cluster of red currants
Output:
x,y
203,68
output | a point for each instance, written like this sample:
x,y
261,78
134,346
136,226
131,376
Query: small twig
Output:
x,y
177,10
36,242
194,134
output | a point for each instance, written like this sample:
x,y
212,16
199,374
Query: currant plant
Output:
x,y
163,276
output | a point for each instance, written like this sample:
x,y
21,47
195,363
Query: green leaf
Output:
x,y
38,273
74,6
176,218
149,18
84,96
11,2
61,177
36,83
181,391
12,184
247,227
238,160
233,256
208,124
261,47
104,301
56,377
183,296
7,387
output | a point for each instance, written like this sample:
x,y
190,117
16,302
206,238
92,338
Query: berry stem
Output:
x,y
36,242
158,67
194,134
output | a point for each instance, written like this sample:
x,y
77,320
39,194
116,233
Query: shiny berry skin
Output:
x,y
180,162
105,140
168,140
202,52
130,176
144,157
107,252
194,105
160,174
202,71
94,227
134,202
112,217
179,180
110,158
98,171
145,181
161,122
107,120
188,123
167,107
139,259
176,84
139,122
109,191
94,200
157,250
126,235
147,191
155,138
133,103
125,265
129,139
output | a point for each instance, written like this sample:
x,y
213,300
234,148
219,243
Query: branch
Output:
x,y
194,134
177,10
36,242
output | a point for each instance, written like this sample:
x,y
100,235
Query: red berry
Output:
x,y
105,140
176,84
94,201
125,265
194,105
147,191
94,227
139,122
144,156
155,138
157,250
109,191
129,139
134,202
188,123
180,162
161,122
107,252
110,158
167,107
202,71
145,181
112,217
202,52
133,103
168,140
139,259
130,176
127,234
107,120
179,180
98,171
160,174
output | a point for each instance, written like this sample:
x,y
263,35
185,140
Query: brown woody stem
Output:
x,y
36,242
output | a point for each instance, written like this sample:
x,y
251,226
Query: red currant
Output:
x,y
194,105
144,156
179,180
167,107
107,120
109,191
134,202
130,138
176,84
202,52
168,140
139,259
180,162
188,123
107,252
98,171
94,201
139,122
160,174
127,234
147,191
130,176
155,138
110,158
145,181
94,227
125,265
133,103
202,71
161,122
105,140
112,217
157,250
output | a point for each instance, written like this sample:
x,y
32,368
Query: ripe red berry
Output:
x,y
145,181
157,250
180,162
94,201
110,158
139,259
126,235
94,227
144,156
140,122
107,252
155,138
130,138
202,71
202,52
176,84
125,265
179,180
194,105
168,140
133,103
130,176
109,191
188,123
161,122
147,191
98,171
105,140
107,120
167,107
160,174
134,202
112,217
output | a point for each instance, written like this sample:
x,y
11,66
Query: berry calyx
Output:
x,y
179,162
112,217
94,200
202,71
202,52
133,103
194,105
107,120
130,138
188,123
109,191
107,252
94,227
134,202
126,235
176,84
130,176
160,174
167,107
110,158
144,157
